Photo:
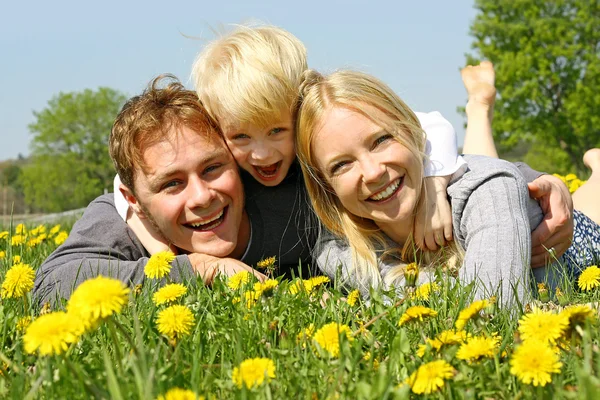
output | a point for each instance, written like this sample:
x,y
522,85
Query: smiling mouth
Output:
x,y
211,223
388,192
268,172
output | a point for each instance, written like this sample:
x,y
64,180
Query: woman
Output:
x,y
361,150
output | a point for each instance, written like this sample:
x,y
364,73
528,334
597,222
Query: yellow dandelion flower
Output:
x,y
430,377
579,313
478,347
55,229
266,287
179,394
450,337
2,255
236,300
306,333
51,333
3,235
234,282
17,240
543,325
251,297
23,323
169,293
20,229
159,264
97,298
424,291
60,238
589,278
266,263
308,285
175,321
470,312
416,313
18,281
253,372
328,337
411,273
434,344
353,297
533,362
16,259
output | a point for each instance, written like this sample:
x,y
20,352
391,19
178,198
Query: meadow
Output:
x,y
287,338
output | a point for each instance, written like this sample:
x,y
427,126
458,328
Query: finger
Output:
x,y
430,242
538,189
541,233
448,232
440,238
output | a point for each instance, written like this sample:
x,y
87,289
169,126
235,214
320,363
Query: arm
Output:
x,y
491,211
556,229
100,243
433,225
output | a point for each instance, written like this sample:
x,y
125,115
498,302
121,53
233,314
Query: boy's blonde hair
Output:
x,y
251,75
353,90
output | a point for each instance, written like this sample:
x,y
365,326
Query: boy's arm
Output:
x,y
433,224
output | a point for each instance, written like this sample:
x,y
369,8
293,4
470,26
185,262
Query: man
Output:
x,y
180,179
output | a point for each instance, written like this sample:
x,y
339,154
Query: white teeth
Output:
x,y
203,224
387,192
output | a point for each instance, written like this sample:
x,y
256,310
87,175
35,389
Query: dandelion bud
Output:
x,y
543,292
561,298
411,273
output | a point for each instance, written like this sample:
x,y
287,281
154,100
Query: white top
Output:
x,y
441,148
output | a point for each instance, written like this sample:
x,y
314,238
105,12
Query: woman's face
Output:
x,y
372,174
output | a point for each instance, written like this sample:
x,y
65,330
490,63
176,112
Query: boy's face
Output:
x,y
266,153
191,192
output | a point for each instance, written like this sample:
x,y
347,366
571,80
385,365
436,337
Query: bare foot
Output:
x,y
479,82
591,159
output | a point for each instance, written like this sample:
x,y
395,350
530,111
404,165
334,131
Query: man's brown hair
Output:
x,y
148,118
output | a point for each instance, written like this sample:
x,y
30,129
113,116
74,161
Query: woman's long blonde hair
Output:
x,y
353,90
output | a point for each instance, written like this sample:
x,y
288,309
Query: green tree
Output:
x,y
547,59
69,163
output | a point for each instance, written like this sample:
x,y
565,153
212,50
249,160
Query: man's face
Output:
x,y
191,192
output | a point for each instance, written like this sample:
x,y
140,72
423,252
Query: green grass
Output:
x,y
126,357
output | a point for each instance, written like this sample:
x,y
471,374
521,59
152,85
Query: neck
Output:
x,y
243,237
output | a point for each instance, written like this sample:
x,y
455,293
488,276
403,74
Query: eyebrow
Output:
x,y
156,181
368,139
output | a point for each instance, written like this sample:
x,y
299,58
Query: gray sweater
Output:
x,y
492,218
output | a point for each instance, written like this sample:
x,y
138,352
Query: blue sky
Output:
x,y
46,47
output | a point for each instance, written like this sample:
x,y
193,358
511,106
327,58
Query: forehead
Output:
x,y
182,145
240,123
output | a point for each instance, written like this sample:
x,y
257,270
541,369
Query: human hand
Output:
x,y
151,239
433,223
556,229
209,266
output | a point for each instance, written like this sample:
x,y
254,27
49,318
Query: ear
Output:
x,y
134,205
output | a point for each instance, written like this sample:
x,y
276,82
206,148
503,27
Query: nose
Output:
x,y
372,169
199,194
261,152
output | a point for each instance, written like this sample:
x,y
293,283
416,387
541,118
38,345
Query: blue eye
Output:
x,y
382,139
240,136
275,131
212,168
170,184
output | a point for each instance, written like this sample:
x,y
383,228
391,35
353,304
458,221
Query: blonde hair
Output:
x,y
353,90
250,75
